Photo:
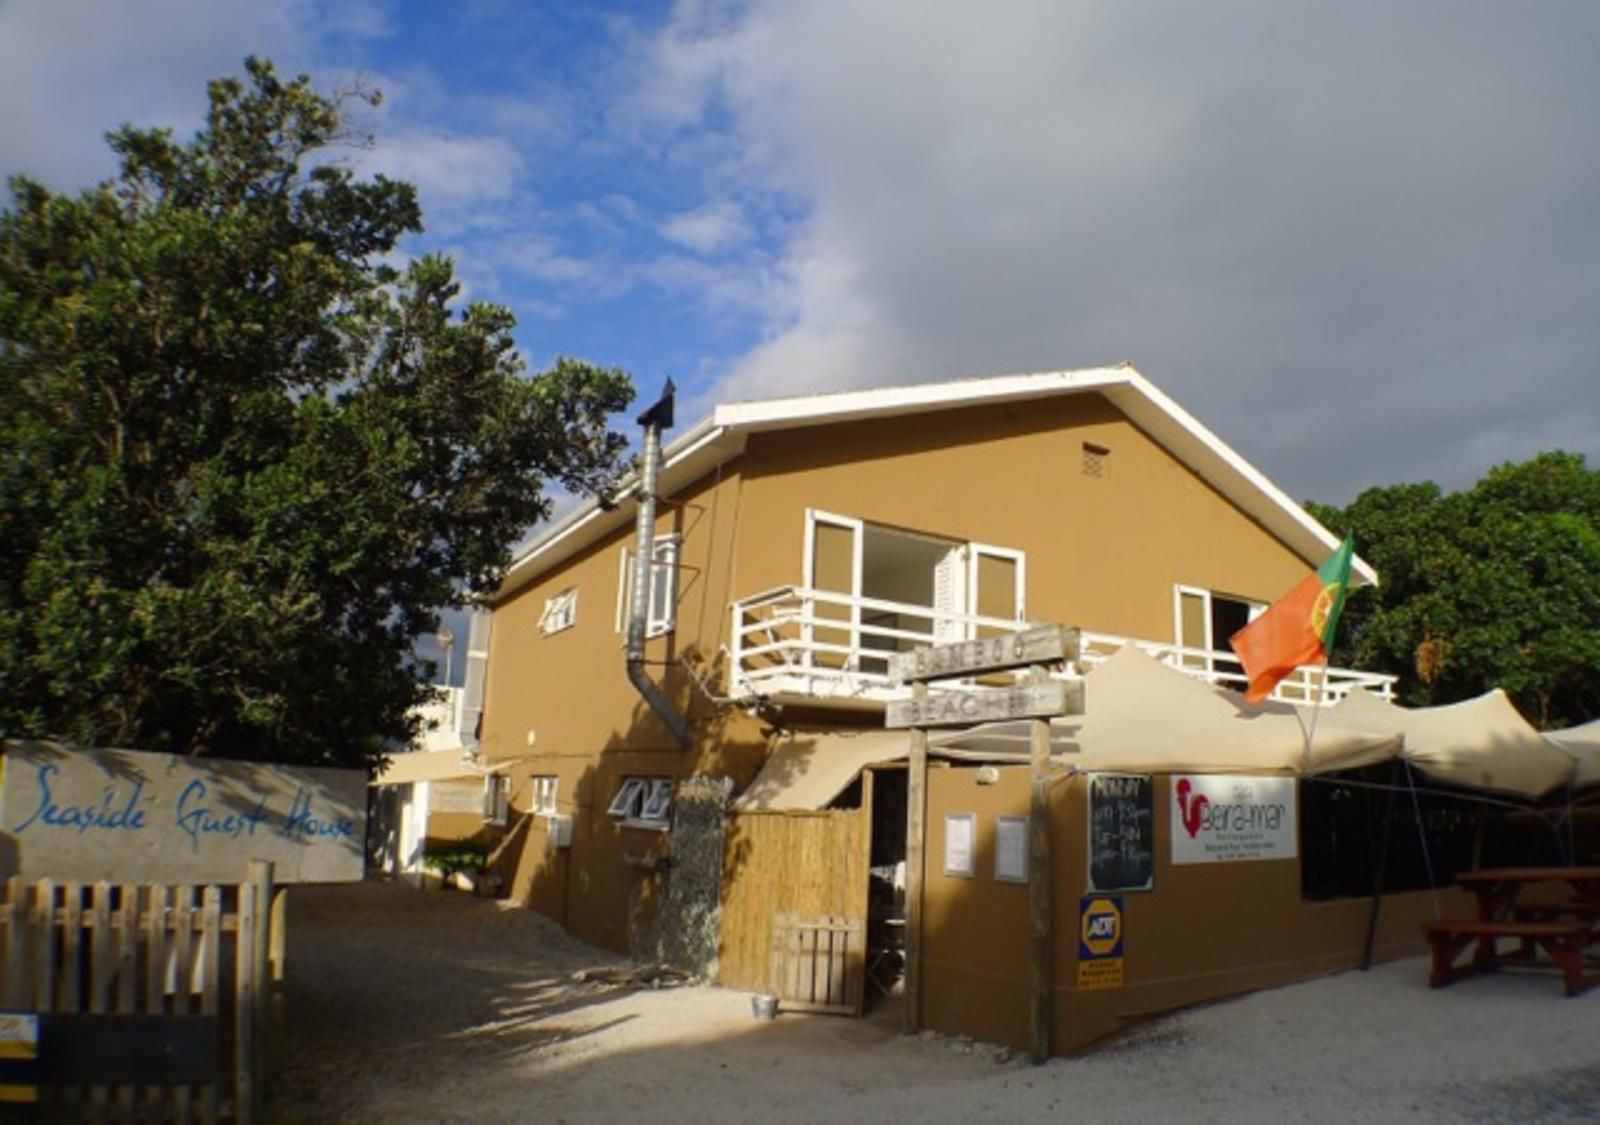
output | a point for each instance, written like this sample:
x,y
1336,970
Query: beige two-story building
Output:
x,y
794,545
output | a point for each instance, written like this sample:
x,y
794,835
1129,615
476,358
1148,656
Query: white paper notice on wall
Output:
x,y
1011,849
1219,818
958,833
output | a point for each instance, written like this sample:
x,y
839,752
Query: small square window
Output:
x,y
544,795
629,797
643,802
1095,458
496,797
560,612
659,803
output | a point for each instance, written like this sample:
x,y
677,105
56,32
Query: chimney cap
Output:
x,y
661,413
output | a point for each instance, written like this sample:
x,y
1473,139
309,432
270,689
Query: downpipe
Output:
x,y
653,421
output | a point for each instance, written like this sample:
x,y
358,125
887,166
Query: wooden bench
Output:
x,y
1563,941
1551,911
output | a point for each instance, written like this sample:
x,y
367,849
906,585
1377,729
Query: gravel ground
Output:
x,y
438,1007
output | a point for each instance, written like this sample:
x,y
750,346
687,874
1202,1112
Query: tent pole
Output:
x,y
1382,866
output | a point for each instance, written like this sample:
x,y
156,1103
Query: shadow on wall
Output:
x,y
608,884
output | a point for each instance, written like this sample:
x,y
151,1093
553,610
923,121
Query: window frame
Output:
x,y
635,796
560,612
543,796
663,594
496,799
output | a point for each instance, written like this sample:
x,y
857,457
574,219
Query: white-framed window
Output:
x,y
560,612
661,607
544,794
643,802
1204,619
496,797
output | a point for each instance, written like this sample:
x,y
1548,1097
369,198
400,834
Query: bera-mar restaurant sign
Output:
x,y
1223,818
122,815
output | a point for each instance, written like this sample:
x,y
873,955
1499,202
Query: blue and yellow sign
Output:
x,y
19,1057
1100,942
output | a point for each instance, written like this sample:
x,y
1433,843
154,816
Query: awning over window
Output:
x,y
807,771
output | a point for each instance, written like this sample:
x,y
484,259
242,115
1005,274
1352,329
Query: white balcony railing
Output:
x,y
796,645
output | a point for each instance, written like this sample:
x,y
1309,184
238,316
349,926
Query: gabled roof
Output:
x,y
723,434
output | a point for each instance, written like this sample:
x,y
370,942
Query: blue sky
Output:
x,y
1359,241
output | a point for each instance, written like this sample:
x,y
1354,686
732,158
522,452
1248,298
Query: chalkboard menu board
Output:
x,y
1122,841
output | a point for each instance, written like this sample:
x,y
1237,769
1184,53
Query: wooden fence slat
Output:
x,y
182,983
44,945
155,972
71,955
127,927
17,926
211,957
244,1007
102,952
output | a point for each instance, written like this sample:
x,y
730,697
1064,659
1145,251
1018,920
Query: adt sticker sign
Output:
x,y
1099,942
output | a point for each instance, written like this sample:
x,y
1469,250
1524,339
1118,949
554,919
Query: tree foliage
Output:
x,y
1494,586
246,458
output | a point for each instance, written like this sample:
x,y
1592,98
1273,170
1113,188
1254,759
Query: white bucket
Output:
x,y
764,1007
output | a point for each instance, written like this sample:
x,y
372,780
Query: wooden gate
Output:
x,y
148,1001
785,866
818,964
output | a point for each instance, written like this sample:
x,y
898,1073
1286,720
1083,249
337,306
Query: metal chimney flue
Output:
x,y
654,420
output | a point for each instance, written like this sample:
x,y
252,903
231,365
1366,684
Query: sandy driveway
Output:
x,y
409,1006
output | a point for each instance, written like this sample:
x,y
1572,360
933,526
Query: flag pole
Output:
x,y
1316,710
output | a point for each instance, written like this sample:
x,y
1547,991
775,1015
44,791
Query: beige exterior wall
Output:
x,y
590,729
1102,552
1202,932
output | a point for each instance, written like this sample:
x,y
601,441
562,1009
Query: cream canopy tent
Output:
x,y
807,771
1582,745
1141,715
1481,743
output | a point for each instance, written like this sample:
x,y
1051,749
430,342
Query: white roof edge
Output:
x,y
738,419
1249,472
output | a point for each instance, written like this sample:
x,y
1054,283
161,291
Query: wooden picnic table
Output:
x,y
1561,930
1497,888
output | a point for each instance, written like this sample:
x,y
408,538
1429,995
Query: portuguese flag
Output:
x,y
1297,628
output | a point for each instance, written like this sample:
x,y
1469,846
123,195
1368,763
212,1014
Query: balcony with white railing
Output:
x,y
796,646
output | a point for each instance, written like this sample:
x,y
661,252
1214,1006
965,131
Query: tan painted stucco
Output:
x,y
1102,552
1202,932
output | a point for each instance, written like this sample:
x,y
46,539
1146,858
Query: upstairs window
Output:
x,y
560,612
1204,621
661,605
643,802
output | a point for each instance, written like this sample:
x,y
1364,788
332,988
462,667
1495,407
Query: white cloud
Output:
x,y
706,230
450,170
1355,241
69,72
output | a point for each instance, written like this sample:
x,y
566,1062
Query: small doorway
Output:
x,y
886,886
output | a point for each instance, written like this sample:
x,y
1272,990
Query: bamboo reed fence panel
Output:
x,y
139,950
811,865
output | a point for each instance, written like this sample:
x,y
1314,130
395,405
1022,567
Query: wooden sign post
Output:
x,y
1037,699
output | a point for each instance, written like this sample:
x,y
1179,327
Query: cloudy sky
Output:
x,y
1360,241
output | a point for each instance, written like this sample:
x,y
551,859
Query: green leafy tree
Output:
x,y
1495,586
244,459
